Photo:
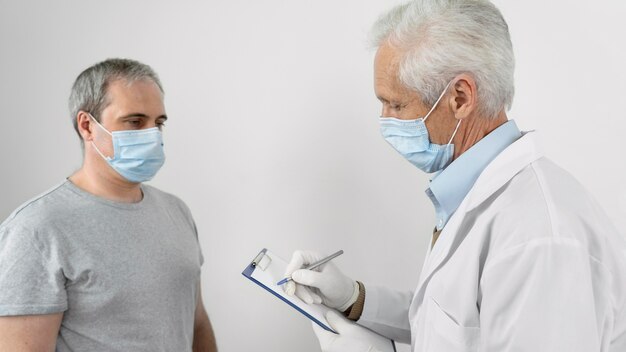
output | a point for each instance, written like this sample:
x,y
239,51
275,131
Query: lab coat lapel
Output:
x,y
502,169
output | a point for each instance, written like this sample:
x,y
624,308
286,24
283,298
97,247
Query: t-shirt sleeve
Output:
x,y
186,215
31,279
195,229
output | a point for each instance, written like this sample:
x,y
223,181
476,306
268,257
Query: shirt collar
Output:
x,y
449,187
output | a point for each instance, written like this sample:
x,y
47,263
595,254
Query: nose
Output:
x,y
385,111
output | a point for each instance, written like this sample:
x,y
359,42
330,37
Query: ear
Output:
x,y
83,122
463,96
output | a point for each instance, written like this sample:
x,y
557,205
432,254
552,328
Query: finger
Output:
x,y
290,288
324,336
301,258
312,294
311,278
317,299
304,294
337,322
297,261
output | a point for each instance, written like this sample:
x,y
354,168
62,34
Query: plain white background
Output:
x,y
273,137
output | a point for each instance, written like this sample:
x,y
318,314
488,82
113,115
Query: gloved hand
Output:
x,y
351,337
326,284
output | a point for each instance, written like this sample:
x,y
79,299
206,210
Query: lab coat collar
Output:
x,y
500,171
448,188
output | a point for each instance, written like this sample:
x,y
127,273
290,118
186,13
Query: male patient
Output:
x,y
103,262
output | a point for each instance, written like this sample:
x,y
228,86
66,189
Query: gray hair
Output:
x,y
440,39
89,92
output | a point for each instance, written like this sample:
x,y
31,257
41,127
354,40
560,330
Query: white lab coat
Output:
x,y
528,262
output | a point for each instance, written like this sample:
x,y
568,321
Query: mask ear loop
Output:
x,y
435,105
454,133
98,123
107,158
439,99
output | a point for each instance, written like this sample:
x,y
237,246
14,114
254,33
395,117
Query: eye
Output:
x,y
134,122
160,125
398,107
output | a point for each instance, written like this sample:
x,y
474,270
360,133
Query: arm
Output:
x,y
203,337
386,311
350,337
546,295
32,292
29,333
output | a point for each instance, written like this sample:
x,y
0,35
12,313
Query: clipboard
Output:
x,y
266,269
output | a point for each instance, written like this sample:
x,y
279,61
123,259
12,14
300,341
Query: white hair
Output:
x,y
440,39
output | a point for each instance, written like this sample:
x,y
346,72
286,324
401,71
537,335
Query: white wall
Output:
x,y
273,138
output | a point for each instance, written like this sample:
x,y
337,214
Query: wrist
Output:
x,y
352,299
356,309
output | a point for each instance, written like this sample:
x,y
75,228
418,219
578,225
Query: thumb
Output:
x,y
325,338
337,322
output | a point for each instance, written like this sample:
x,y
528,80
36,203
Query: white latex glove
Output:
x,y
326,284
351,337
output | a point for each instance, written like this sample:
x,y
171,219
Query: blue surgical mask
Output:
x,y
410,139
137,154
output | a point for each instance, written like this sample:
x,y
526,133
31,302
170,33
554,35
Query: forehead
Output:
x,y
386,62
387,84
141,95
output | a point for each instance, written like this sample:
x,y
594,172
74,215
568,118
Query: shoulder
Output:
x,y
571,208
34,223
40,210
544,205
541,194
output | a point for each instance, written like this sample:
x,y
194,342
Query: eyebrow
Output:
x,y
381,99
138,114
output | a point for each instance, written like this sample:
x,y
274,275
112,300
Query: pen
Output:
x,y
314,265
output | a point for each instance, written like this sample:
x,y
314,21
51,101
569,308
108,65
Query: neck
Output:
x,y
107,184
474,130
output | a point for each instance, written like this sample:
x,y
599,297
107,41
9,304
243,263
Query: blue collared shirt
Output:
x,y
449,187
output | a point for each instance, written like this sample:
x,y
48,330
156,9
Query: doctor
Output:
x,y
521,257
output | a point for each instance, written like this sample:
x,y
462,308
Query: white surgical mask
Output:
x,y
410,138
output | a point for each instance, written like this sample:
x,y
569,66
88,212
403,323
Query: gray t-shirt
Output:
x,y
125,275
